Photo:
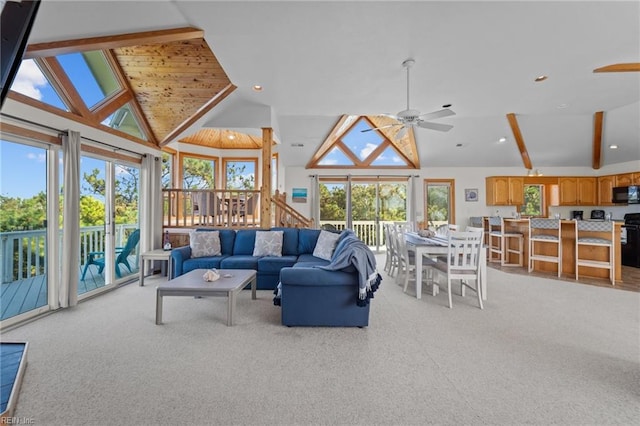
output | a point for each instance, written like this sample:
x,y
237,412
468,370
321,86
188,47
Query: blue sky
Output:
x,y
23,170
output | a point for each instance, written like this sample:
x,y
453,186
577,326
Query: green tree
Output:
x,y
198,174
236,177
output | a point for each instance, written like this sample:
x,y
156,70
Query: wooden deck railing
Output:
x,y
23,253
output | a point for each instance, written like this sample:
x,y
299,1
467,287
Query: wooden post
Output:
x,y
265,189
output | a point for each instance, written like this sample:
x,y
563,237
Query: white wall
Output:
x,y
467,177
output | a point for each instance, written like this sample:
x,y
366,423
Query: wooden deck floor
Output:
x,y
26,295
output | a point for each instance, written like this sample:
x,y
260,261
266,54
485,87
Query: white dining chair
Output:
x,y
462,262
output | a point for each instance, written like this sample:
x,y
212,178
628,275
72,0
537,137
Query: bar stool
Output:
x,y
499,243
545,232
595,234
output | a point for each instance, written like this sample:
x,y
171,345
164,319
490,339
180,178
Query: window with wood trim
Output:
x,y
198,171
439,202
366,142
240,173
84,84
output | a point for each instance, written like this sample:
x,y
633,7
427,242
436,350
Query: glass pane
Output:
x,y
125,120
91,75
127,232
31,82
362,144
533,200
23,210
92,221
241,174
438,204
389,157
333,205
198,173
393,202
364,211
167,162
335,157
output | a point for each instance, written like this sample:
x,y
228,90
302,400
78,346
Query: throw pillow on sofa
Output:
x,y
268,243
326,244
204,243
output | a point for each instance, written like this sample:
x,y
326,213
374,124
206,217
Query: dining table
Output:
x,y
434,246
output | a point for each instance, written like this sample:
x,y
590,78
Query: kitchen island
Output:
x,y
568,236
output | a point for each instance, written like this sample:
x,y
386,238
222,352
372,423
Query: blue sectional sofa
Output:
x,y
310,296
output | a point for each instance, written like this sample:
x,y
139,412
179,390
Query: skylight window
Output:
x,y
91,74
124,119
31,82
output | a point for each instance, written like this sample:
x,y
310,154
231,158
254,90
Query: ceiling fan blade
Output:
x,y
437,114
435,126
401,133
383,127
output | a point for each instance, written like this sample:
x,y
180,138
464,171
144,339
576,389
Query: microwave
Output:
x,y
625,195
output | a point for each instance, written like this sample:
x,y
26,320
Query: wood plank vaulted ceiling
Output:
x,y
172,81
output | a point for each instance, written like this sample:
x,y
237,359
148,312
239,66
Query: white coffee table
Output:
x,y
231,282
157,254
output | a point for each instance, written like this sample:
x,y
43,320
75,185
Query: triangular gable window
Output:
x,y
389,157
335,157
360,142
32,82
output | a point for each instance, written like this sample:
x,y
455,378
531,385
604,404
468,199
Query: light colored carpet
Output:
x,y
541,352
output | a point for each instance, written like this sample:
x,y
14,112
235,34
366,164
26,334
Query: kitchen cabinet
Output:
x,y
605,190
636,178
578,191
624,179
505,191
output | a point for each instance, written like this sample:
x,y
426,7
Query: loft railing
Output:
x,y
23,253
210,207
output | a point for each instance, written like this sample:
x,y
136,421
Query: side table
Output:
x,y
157,254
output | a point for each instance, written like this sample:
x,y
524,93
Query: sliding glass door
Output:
x,y
109,224
373,201
23,222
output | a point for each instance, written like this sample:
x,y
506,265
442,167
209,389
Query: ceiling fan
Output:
x,y
412,117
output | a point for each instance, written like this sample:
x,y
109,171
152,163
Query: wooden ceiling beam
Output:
x,y
515,128
597,139
630,67
201,111
39,50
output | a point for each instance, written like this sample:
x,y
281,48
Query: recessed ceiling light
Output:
x,y
502,140
540,78
231,136
257,88
613,146
446,106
